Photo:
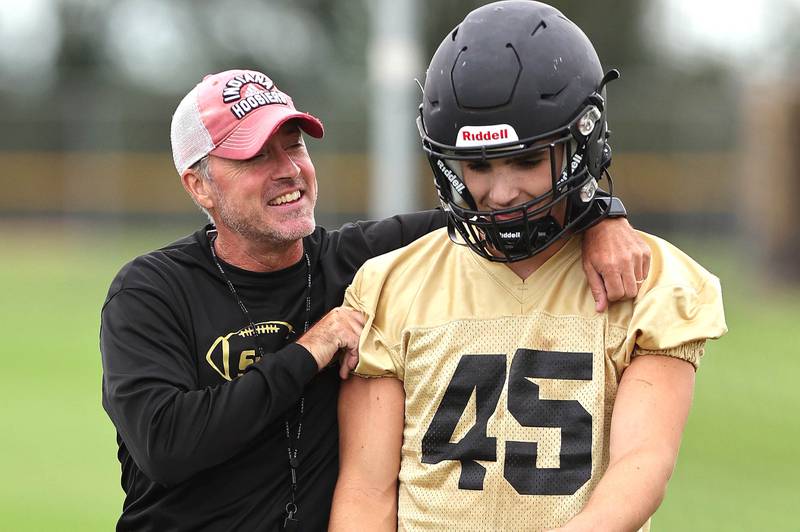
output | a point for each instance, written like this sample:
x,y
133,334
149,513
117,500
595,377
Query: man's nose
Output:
x,y
285,167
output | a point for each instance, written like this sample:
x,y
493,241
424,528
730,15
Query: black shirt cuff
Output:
x,y
293,362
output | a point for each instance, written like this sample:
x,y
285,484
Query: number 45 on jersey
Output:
x,y
485,374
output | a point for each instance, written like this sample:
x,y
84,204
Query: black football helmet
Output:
x,y
516,77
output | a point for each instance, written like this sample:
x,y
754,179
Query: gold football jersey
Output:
x,y
510,384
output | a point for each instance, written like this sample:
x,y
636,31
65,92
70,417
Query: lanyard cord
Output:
x,y
292,446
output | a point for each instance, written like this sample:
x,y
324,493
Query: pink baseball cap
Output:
x,y
232,114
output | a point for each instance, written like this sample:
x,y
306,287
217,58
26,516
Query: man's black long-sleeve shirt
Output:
x,y
200,418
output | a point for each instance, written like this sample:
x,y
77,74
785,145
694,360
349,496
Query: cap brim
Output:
x,y
246,140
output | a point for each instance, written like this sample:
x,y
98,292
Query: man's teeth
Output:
x,y
286,198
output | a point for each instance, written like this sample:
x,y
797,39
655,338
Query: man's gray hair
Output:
x,y
203,170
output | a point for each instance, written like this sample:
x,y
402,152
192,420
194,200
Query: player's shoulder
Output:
x,y
679,304
671,266
676,285
397,270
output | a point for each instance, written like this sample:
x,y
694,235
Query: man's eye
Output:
x,y
257,157
295,145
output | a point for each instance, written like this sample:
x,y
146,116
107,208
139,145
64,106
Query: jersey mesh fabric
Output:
x,y
510,384
191,140
430,373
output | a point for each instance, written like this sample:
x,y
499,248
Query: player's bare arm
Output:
x,y
616,260
650,413
371,415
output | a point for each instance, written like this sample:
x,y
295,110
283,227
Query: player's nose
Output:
x,y
504,192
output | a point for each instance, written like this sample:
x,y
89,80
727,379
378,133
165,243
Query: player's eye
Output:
x,y
479,166
528,162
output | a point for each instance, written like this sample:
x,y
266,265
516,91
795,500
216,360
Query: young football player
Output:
x,y
506,402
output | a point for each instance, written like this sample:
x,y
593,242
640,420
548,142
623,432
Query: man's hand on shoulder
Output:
x,y
339,330
616,260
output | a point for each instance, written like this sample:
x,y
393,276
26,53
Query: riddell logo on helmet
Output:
x,y
469,136
485,135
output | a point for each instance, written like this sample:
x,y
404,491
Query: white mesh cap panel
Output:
x,y
190,139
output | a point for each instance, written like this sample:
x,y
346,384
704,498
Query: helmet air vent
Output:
x,y
553,95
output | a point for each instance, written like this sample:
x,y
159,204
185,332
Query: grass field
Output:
x,y
738,469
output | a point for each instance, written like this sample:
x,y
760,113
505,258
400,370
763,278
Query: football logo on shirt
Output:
x,y
230,354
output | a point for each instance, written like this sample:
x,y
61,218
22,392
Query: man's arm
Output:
x,y
614,256
370,437
650,412
174,430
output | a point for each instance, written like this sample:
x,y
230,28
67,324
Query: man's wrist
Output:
x,y
312,351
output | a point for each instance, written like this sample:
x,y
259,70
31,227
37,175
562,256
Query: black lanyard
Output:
x,y
291,522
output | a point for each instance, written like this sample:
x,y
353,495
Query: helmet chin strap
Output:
x,y
511,239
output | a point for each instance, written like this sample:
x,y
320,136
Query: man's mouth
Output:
x,y
289,197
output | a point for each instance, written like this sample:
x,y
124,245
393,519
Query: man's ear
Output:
x,y
198,188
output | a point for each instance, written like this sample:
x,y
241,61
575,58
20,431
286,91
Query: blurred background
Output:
x,y
705,127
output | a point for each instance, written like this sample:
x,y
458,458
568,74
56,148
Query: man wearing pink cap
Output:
x,y
218,349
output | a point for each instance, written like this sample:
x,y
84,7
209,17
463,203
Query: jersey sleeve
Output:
x,y
679,311
379,354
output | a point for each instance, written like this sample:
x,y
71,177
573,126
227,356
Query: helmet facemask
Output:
x,y
519,232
